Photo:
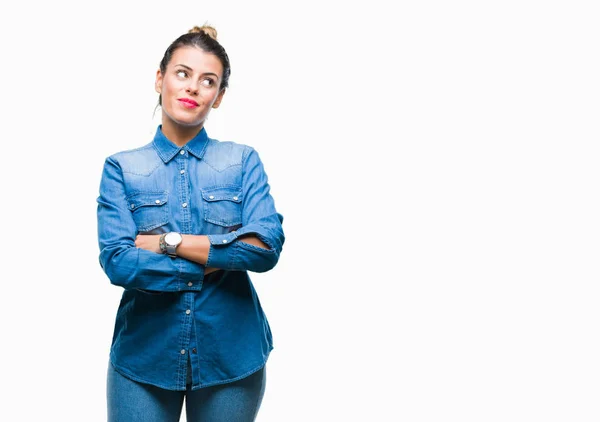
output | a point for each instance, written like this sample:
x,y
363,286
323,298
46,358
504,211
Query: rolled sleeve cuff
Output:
x,y
222,252
259,232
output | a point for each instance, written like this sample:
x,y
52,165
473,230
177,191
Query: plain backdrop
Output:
x,y
436,164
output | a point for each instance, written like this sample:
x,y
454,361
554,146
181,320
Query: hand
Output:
x,y
148,242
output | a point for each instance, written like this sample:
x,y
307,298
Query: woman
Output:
x,y
181,221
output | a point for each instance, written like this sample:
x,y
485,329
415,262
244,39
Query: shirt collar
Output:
x,y
167,149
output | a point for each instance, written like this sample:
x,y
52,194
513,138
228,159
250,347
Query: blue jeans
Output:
x,y
131,401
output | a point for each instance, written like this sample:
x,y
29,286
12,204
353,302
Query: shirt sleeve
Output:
x,y
259,217
124,263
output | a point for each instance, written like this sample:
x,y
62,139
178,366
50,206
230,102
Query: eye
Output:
x,y
181,73
208,82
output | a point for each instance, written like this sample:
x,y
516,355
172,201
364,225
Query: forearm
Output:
x,y
196,248
135,268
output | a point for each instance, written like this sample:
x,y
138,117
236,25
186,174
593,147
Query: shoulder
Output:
x,y
221,154
142,160
133,153
216,146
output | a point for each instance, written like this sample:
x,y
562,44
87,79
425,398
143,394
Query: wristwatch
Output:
x,y
168,243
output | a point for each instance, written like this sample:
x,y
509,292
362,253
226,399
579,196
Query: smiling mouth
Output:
x,y
188,103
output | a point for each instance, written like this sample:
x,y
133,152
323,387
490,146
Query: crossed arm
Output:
x,y
193,247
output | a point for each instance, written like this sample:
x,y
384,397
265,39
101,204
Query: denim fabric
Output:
x,y
169,309
130,401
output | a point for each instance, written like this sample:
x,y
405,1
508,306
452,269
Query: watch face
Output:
x,y
173,239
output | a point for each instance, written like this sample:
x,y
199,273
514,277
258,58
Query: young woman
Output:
x,y
181,221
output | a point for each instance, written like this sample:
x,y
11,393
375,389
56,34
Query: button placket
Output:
x,y
184,192
186,338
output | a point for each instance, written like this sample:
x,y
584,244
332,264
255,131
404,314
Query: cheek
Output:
x,y
171,86
167,88
211,96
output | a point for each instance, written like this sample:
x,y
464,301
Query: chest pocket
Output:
x,y
149,209
223,205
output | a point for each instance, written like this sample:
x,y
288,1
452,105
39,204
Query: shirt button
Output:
x,y
182,152
190,284
157,201
235,198
188,312
224,240
183,351
211,197
194,350
182,171
184,204
132,205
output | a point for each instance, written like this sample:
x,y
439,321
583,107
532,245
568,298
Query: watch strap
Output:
x,y
162,243
172,250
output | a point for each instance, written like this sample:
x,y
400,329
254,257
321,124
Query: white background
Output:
x,y
436,165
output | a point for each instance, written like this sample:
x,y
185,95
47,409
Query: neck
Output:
x,y
179,135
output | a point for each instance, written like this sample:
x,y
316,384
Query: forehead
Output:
x,y
198,59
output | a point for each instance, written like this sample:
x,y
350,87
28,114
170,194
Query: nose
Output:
x,y
192,88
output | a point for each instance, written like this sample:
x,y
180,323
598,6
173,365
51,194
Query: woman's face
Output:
x,y
189,87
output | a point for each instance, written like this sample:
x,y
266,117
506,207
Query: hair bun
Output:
x,y
207,29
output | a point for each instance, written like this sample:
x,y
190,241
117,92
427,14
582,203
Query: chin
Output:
x,y
188,123
183,120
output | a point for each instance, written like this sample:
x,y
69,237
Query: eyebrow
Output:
x,y
190,69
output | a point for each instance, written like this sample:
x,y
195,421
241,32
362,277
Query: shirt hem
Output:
x,y
123,371
247,374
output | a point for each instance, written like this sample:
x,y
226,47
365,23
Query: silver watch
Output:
x,y
169,242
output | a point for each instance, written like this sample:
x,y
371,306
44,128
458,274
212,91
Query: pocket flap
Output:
x,y
223,193
146,199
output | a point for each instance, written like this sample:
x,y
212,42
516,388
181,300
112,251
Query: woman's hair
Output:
x,y
205,38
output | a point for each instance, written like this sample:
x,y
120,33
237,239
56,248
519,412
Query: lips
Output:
x,y
188,102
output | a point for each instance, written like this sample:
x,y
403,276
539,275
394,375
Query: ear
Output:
x,y
158,83
219,99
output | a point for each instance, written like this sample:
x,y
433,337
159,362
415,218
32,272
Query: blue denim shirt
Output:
x,y
171,316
